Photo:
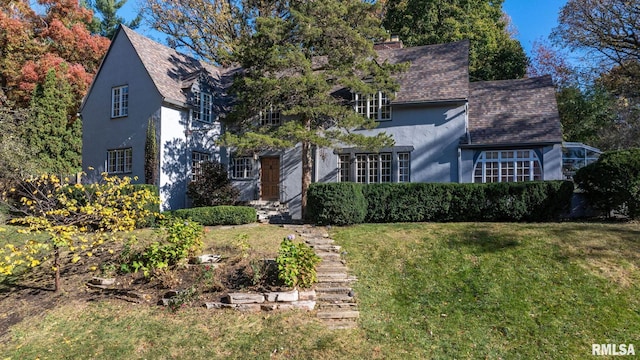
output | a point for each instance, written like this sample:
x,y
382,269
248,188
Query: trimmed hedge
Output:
x,y
218,215
341,204
336,203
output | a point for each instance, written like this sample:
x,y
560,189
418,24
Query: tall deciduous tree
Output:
x,y
493,53
107,21
209,29
294,62
608,31
52,134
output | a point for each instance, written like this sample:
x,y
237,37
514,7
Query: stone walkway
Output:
x,y
336,302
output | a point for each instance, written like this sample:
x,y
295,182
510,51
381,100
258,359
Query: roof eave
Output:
x,y
510,145
431,102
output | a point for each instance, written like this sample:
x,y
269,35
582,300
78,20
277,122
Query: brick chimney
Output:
x,y
393,43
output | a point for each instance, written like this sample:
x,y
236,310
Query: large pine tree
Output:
x,y
294,62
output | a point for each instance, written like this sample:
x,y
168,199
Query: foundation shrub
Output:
x,y
218,215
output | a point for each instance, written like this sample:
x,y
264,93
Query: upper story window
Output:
x,y
120,101
507,166
242,167
270,117
197,158
376,107
119,161
202,106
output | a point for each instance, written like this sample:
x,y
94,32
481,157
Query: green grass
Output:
x,y
425,291
496,290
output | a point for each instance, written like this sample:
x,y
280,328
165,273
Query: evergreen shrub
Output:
x,y
613,182
218,215
413,202
336,203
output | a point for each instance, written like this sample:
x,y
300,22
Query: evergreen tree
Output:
x,y
493,54
52,133
108,20
151,157
294,62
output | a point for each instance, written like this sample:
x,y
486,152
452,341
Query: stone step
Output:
x,y
323,269
319,241
332,276
334,298
342,324
328,255
335,290
339,306
345,314
327,248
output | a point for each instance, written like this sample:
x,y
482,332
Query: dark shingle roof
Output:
x,y
170,70
513,111
437,72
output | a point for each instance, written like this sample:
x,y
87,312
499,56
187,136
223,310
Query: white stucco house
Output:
x,y
446,128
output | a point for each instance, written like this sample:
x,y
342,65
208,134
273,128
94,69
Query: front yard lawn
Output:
x,y
460,290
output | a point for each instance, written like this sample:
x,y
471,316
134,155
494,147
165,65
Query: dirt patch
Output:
x,y
29,296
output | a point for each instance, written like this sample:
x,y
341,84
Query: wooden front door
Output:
x,y
270,178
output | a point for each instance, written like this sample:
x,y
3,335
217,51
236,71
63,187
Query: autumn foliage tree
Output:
x,y
56,37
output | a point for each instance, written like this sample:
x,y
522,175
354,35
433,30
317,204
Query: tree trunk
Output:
x,y
307,163
56,266
306,174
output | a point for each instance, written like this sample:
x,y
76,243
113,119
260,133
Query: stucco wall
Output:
x,y
433,132
99,131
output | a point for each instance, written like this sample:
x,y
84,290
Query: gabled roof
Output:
x,y
169,70
513,111
437,72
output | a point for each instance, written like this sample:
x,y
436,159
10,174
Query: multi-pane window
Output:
x,y
119,161
507,166
344,165
376,106
270,117
202,106
373,168
119,101
404,165
242,167
197,158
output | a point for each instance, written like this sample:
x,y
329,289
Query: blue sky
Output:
x,y
534,19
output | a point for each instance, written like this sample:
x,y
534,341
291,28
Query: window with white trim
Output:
x,y
242,167
507,166
197,158
120,101
202,106
373,168
119,161
270,117
404,167
376,106
344,166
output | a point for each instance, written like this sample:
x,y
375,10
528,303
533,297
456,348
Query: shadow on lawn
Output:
x,y
484,241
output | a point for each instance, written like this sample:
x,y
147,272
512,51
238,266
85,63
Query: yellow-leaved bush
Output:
x,y
77,217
